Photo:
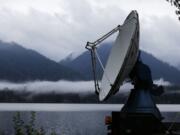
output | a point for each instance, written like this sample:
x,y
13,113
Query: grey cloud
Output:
x,y
57,34
160,37
37,30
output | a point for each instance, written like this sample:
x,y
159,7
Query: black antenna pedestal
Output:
x,y
140,114
141,101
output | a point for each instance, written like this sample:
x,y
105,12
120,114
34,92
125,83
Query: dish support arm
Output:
x,y
92,46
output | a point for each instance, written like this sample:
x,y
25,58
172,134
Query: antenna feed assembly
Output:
x,y
92,47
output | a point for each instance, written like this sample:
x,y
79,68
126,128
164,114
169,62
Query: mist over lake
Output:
x,y
63,91
63,86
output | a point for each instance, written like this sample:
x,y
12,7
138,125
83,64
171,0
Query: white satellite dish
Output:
x,y
122,63
122,57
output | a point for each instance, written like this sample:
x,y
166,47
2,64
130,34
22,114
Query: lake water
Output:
x,y
69,119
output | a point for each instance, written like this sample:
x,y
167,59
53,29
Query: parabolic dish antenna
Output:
x,y
122,57
123,62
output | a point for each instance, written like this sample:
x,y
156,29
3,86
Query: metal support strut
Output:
x,y
92,46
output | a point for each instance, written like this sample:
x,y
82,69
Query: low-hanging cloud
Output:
x,y
62,86
162,82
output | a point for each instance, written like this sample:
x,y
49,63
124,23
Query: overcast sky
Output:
x,y
56,28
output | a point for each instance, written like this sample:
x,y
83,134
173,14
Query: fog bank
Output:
x,y
62,86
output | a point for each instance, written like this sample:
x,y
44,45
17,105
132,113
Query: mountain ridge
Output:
x,y
159,68
19,64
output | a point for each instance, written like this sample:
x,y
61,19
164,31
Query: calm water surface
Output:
x,y
68,119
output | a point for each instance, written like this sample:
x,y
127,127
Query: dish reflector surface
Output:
x,y
122,57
